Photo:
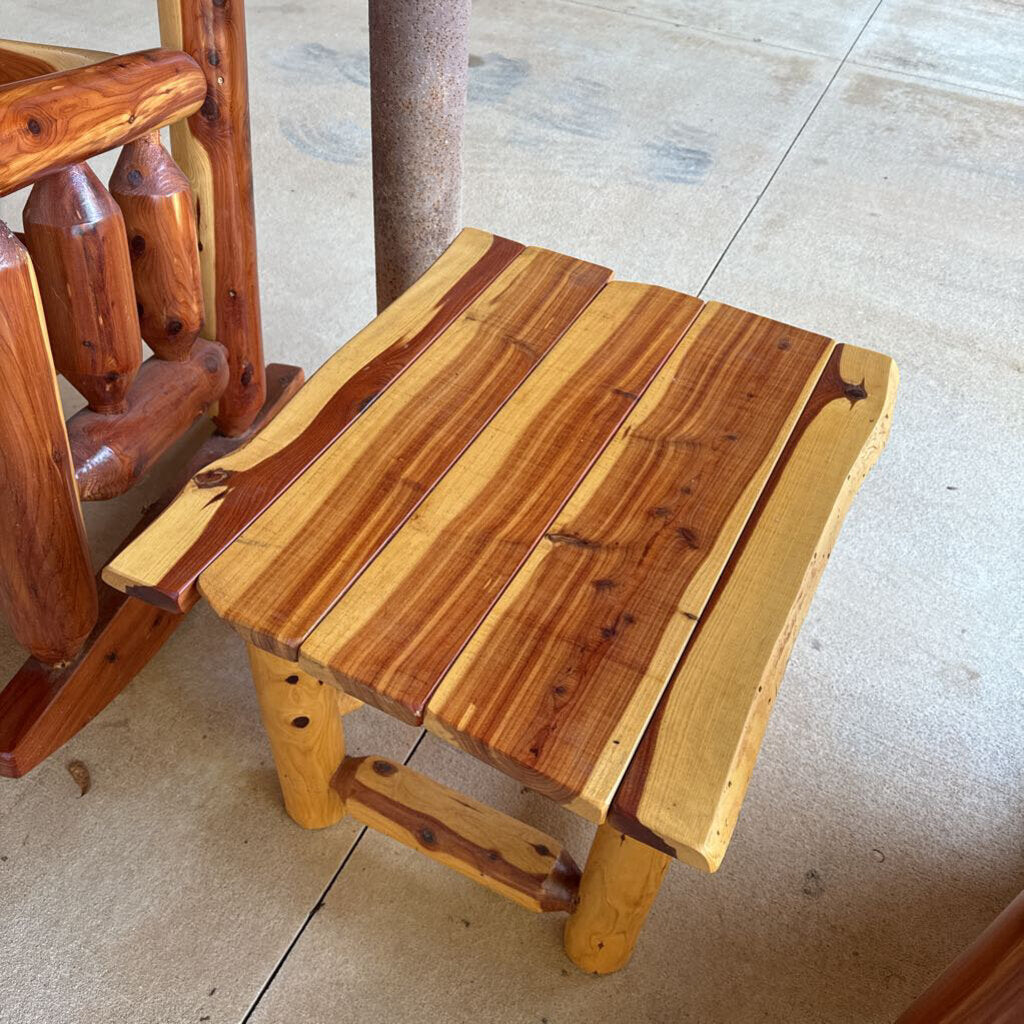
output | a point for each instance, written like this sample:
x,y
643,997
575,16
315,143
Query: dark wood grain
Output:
x,y
213,148
46,586
284,573
494,850
985,984
159,218
558,684
111,453
20,60
75,233
61,119
162,567
683,789
393,635
42,707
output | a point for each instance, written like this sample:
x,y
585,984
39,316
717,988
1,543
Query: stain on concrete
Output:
x,y
679,158
337,142
317,64
493,78
813,886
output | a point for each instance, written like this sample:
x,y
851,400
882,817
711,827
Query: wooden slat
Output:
x,y
162,565
683,791
559,682
20,60
500,853
391,638
286,571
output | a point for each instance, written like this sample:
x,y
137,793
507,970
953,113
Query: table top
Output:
x,y
571,524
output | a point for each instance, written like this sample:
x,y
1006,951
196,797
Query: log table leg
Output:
x,y
302,717
419,57
620,881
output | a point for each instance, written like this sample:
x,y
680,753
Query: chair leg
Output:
x,y
619,884
302,717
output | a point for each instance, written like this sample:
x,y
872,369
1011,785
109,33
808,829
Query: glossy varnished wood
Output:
x,y
75,233
111,453
500,853
64,118
213,149
683,790
159,218
20,59
47,593
391,638
285,572
42,706
163,564
985,984
559,682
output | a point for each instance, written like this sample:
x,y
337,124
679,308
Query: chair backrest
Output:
x,y
166,254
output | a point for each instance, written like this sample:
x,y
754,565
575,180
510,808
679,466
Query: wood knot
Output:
x,y
211,477
291,680
300,721
384,768
34,126
427,837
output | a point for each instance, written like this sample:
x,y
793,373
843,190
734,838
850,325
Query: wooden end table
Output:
x,y
572,525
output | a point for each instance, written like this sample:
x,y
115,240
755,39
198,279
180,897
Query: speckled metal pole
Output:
x,y
419,57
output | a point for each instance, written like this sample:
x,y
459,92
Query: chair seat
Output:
x,y
570,524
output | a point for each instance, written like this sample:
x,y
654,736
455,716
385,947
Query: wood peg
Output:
x,y
75,234
156,201
47,591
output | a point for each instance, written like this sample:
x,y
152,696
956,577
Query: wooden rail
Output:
x,y
20,60
61,119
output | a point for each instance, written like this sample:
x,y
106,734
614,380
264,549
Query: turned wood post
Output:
x,y
619,884
213,149
419,65
156,202
47,590
303,722
75,233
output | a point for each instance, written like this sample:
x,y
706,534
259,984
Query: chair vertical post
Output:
x,y
47,590
212,147
419,66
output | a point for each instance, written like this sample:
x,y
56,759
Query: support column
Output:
x,y
303,722
619,884
419,65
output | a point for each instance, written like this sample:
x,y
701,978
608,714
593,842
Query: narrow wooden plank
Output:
x,y
500,853
162,565
392,636
683,790
559,682
286,571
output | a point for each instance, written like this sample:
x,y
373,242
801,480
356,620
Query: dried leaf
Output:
x,y
81,775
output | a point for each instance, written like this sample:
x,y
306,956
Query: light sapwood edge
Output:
x,y
697,828
620,882
17,54
300,715
499,852
194,161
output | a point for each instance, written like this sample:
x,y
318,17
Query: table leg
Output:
x,y
419,65
302,717
619,884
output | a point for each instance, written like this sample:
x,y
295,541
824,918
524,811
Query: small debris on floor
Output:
x,y
80,774
813,885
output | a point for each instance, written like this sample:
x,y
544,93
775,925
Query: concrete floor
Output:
x,y
849,166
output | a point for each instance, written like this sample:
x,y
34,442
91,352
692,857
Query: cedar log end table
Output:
x,y
570,524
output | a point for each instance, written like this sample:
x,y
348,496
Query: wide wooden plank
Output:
x,y
285,572
683,790
558,683
392,636
162,565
